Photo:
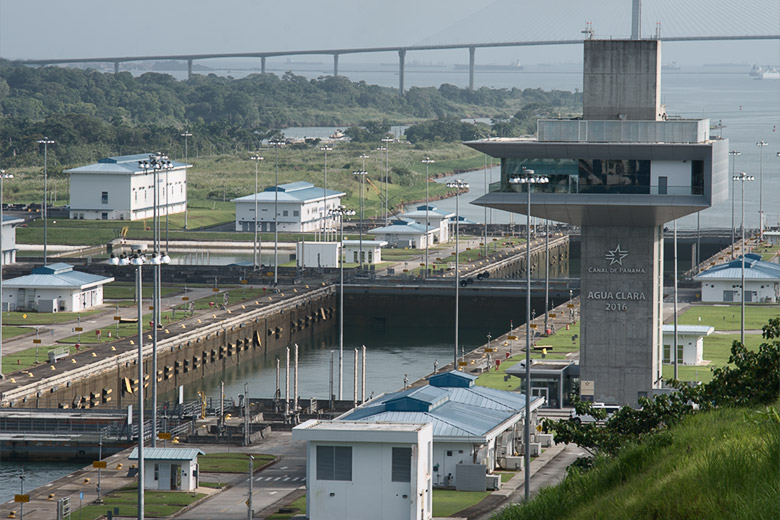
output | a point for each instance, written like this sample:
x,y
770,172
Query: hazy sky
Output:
x,y
105,28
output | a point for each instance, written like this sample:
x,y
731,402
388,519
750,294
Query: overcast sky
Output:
x,y
104,28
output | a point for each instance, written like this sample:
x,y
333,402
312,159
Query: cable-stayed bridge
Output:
x,y
537,23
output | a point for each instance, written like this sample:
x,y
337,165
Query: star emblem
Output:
x,y
616,256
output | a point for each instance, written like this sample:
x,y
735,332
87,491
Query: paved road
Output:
x,y
271,486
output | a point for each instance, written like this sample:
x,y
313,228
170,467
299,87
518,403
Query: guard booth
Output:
x,y
174,469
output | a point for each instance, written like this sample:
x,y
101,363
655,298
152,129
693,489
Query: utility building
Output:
x,y
620,172
117,188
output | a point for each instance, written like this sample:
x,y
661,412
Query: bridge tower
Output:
x,y
620,173
636,19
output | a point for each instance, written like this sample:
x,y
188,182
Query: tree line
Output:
x,y
92,114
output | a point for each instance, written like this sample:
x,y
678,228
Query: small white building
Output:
x,y
476,429
301,207
406,233
434,217
372,251
690,343
317,254
723,283
9,238
772,237
170,469
54,288
380,471
117,188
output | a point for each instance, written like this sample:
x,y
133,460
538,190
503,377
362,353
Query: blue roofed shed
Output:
x,y
53,288
170,468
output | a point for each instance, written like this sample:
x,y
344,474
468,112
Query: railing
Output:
x,y
567,184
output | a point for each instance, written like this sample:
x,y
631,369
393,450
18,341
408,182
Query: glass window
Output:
x,y
296,213
334,463
104,197
402,465
284,213
156,472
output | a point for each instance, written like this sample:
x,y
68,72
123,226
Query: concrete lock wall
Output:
x,y
190,361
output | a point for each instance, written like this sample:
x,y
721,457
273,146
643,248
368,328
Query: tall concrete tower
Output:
x,y
620,173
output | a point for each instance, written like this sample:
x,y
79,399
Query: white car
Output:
x,y
579,419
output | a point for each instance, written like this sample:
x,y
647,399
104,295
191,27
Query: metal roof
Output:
x,y
355,243
699,330
403,227
433,212
167,453
755,269
122,165
10,219
56,275
300,191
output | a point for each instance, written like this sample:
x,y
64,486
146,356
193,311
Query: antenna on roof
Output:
x,y
588,30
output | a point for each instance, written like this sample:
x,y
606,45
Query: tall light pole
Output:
x,y
185,135
361,174
45,142
486,190
276,143
256,251
546,273
325,149
427,162
529,178
458,185
3,175
761,145
733,154
675,301
743,177
387,141
341,212
384,186
156,163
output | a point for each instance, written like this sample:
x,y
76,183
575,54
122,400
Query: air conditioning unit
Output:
x,y
492,482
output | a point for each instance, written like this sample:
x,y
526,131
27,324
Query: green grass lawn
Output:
x,y
44,318
299,505
728,316
230,462
125,291
25,359
447,502
12,332
716,349
157,504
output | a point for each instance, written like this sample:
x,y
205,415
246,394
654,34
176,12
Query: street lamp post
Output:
x,y
761,145
427,162
733,154
45,142
341,212
743,177
387,141
256,251
458,185
3,176
276,144
155,164
185,135
361,173
546,274
528,177
325,149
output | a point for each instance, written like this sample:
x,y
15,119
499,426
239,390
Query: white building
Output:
x,y
372,251
9,238
690,343
434,217
772,237
472,425
170,469
723,283
54,288
406,233
301,207
355,470
117,188
317,254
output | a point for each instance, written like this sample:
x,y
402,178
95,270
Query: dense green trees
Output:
x,y
91,114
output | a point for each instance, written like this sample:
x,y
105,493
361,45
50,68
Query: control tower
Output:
x,y
620,172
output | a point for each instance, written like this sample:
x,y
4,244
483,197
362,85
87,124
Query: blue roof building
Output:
x,y
471,424
9,238
120,188
406,233
301,207
433,216
53,288
723,283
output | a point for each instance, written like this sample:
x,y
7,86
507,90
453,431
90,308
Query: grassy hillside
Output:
x,y
720,464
